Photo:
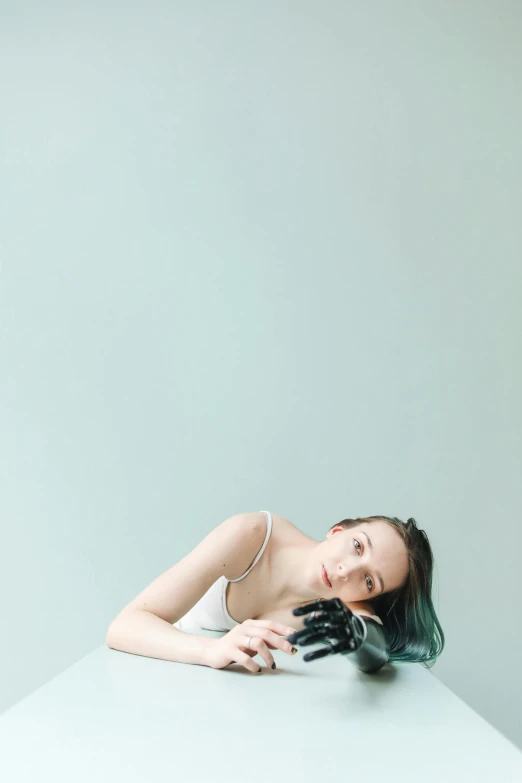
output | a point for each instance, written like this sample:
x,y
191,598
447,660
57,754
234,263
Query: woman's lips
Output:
x,y
324,577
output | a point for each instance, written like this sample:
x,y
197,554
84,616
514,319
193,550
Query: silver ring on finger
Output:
x,y
248,643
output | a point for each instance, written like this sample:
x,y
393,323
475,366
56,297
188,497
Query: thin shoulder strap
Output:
x,y
265,542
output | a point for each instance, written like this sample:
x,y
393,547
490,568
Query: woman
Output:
x,y
248,574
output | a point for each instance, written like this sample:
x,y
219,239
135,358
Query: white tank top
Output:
x,y
210,613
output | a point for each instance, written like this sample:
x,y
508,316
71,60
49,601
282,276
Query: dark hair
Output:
x,y
408,615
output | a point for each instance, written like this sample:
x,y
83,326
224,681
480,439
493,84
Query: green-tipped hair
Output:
x,y
414,632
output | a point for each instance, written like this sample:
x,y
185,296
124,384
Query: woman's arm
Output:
x,y
374,651
357,635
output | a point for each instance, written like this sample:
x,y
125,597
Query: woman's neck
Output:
x,y
293,569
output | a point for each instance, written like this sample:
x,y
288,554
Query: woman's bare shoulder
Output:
x,y
284,527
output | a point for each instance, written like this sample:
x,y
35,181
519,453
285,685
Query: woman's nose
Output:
x,y
344,570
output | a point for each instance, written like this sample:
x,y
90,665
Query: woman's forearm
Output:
x,y
143,633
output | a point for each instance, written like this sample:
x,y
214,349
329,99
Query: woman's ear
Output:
x,y
336,529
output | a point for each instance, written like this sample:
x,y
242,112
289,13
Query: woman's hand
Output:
x,y
233,647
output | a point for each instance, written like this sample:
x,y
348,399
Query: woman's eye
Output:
x,y
359,548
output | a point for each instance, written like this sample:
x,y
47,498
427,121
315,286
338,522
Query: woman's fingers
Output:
x,y
245,660
273,640
257,644
254,637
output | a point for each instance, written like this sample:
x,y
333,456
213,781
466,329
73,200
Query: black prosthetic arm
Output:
x,y
331,622
374,652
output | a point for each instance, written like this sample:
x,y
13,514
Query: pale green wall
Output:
x,y
258,255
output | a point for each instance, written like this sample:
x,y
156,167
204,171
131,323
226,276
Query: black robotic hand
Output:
x,y
331,622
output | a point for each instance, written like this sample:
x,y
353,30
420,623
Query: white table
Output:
x,y
119,717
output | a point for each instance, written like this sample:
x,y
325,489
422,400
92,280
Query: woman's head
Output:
x,y
364,559
401,555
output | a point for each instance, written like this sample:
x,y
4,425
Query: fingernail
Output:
x,y
273,666
293,650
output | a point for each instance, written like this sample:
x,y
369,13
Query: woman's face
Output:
x,y
358,558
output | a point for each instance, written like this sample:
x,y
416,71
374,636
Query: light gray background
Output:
x,y
258,255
